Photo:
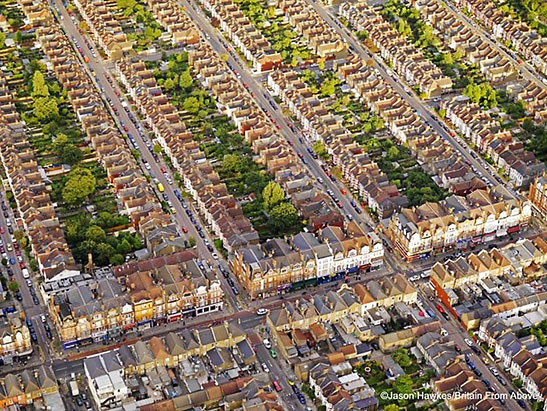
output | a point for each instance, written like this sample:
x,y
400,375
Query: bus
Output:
x,y
74,388
160,187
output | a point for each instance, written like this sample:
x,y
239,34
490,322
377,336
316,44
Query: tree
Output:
x,y
442,113
321,64
401,357
283,217
19,235
328,88
103,254
18,37
191,105
39,86
391,407
96,234
272,195
192,242
124,247
45,108
157,149
2,40
319,149
232,163
168,84
185,80
13,286
80,184
116,259
403,385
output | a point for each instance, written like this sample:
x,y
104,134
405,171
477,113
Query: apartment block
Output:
x,y
538,194
329,254
137,296
407,59
458,222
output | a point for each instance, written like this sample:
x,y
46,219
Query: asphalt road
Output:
x,y
32,311
457,334
110,90
526,70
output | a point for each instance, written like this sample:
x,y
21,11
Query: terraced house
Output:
x,y
106,29
497,68
136,198
28,387
175,21
220,209
525,40
280,265
138,296
322,39
407,60
363,174
31,194
518,164
458,222
436,156
239,29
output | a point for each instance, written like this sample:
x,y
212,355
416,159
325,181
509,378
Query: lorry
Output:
x,y
74,388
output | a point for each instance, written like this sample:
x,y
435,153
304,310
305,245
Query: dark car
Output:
x,y
49,335
301,399
18,297
521,403
33,337
476,350
79,402
35,300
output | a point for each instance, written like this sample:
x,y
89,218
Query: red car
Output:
x,y
184,230
22,265
2,231
117,93
126,128
163,170
344,192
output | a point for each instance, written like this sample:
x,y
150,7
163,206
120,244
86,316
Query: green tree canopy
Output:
x,y
191,105
401,357
283,217
272,195
80,184
95,233
39,86
13,286
45,108
185,80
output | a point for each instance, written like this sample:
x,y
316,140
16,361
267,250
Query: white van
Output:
x,y
26,274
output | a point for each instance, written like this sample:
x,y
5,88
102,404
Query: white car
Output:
x,y
468,342
215,256
29,283
43,318
444,332
267,343
265,367
262,311
414,278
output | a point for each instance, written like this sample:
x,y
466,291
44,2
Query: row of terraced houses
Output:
x,y
518,164
525,40
406,58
